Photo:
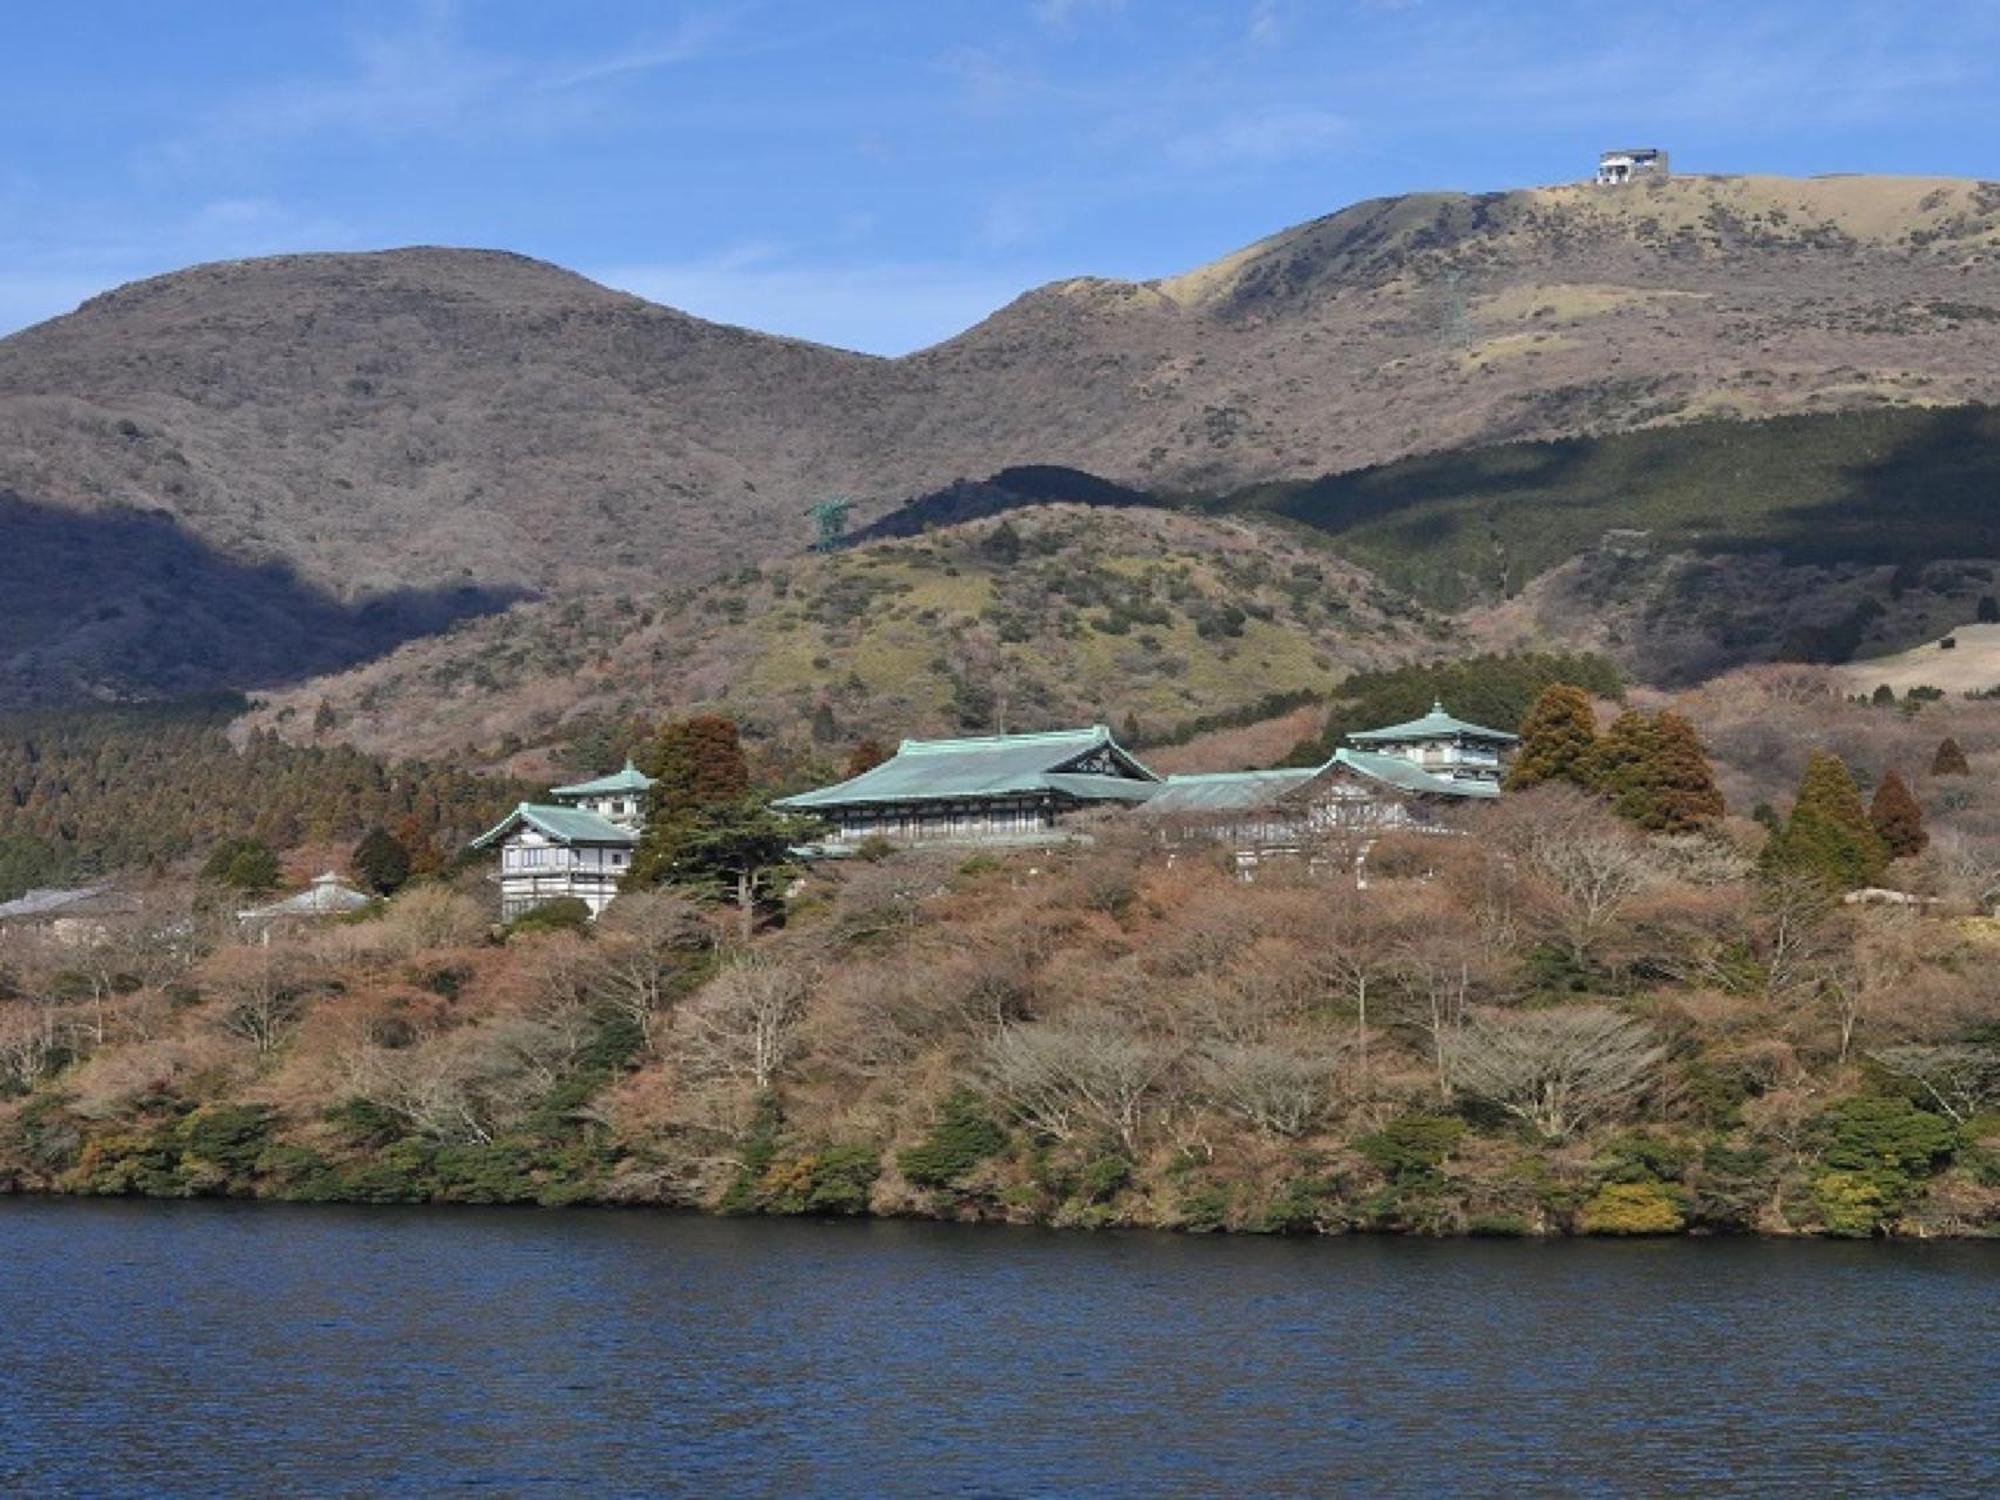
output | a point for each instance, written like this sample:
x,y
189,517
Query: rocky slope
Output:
x,y
438,421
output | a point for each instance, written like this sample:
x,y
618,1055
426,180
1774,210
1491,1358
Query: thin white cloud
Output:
x,y
1261,138
695,37
428,79
1060,15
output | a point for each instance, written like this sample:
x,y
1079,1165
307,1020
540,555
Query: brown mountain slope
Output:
x,y
442,420
1053,615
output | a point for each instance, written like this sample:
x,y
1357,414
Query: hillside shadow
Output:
x,y
1010,489
128,604
1932,493
1341,502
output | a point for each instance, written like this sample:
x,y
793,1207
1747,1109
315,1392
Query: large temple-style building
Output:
x,y
579,843
1023,788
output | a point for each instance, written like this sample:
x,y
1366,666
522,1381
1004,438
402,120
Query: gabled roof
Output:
x,y
1437,724
1400,773
327,896
996,765
1246,791
49,902
631,779
566,825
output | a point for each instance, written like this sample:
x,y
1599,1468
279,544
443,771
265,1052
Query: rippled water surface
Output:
x,y
208,1349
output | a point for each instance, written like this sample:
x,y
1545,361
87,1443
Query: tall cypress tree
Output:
x,y
1828,835
1558,740
1897,818
1684,791
1621,765
1950,759
1655,772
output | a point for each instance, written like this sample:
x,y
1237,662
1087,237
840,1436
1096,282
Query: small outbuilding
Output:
x,y
327,896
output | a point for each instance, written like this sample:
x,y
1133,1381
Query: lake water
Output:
x,y
225,1349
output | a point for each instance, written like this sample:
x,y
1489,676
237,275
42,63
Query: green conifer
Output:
x,y
1828,836
381,861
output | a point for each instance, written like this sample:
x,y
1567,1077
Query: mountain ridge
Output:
x,y
440,420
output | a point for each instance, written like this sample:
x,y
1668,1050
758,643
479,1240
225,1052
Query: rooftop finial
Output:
x,y
1437,705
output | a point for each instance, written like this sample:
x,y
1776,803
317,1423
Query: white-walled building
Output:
x,y
579,843
1630,164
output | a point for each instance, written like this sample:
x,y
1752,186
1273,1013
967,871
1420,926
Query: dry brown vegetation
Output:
x,y
437,419
1054,615
1552,1024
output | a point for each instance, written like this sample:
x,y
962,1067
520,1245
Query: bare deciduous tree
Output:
x,y
1278,1088
262,991
1588,864
646,944
470,1084
1437,974
30,1045
744,1024
1963,1080
1089,1072
1559,1070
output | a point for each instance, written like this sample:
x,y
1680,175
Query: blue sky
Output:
x,y
880,175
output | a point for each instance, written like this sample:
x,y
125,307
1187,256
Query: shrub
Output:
x,y
963,1137
564,914
1852,1205
1876,1152
1204,1208
1631,1208
832,1180
1414,1146
232,1136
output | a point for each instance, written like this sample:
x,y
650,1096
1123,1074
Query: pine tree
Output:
x,y
697,763
1950,760
1828,836
1558,740
736,852
381,861
1897,818
246,864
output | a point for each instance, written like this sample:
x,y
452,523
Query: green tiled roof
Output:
x,y
1398,772
1243,791
631,779
1437,724
997,765
1228,791
566,825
